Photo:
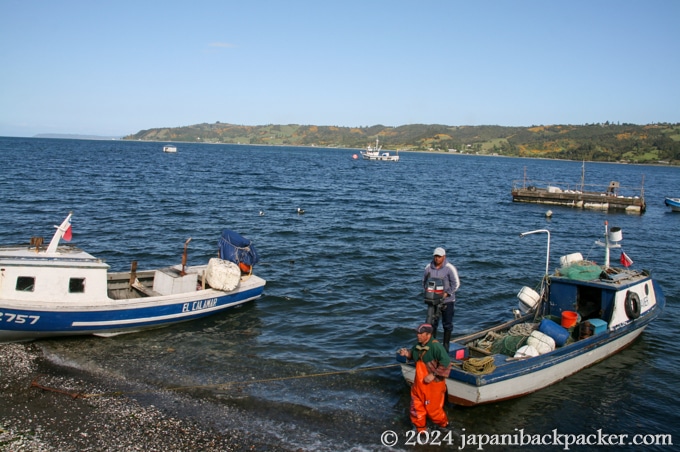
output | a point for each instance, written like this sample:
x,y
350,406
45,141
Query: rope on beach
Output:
x,y
217,386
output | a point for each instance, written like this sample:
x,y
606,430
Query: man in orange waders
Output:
x,y
428,392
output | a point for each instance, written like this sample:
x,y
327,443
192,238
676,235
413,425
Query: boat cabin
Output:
x,y
69,275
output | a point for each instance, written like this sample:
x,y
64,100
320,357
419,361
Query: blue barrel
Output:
x,y
555,331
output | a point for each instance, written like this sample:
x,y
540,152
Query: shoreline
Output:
x,y
78,411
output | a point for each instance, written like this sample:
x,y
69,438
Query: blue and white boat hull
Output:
x,y
610,308
64,291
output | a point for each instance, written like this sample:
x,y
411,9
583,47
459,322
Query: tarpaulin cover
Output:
x,y
236,248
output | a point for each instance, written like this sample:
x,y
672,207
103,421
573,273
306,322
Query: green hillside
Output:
x,y
653,143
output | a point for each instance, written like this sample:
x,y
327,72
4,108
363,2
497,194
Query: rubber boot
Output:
x,y
447,339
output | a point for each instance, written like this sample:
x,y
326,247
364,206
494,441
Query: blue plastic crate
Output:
x,y
599,325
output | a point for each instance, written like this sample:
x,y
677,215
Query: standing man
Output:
x,y
441,268
428,392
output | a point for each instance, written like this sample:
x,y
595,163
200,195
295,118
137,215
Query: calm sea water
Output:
x,y
343,280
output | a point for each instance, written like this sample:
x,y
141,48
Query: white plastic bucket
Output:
x,y
569,259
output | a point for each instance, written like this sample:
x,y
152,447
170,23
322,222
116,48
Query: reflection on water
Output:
x,y
343,280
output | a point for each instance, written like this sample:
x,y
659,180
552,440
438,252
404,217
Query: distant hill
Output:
x,y
652,143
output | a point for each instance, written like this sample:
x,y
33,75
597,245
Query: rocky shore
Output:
x,y
44,407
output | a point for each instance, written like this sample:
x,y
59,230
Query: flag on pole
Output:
x,y
68,234
625,260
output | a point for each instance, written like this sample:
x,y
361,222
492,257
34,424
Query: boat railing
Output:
x,y
613,188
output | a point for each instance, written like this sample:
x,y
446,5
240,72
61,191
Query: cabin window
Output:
x,y
25,284
76,285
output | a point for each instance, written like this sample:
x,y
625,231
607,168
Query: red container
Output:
x,y
569,319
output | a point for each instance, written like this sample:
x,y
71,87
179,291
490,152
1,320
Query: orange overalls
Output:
x,y
427,399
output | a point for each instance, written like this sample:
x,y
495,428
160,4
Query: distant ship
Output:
x,y
373,153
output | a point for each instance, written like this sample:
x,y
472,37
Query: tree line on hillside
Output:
x,y
653,143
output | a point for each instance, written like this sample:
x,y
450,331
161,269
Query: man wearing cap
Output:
x,y
428,392
441,268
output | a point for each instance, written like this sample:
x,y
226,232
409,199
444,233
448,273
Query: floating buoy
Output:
x,y
548,214
355,156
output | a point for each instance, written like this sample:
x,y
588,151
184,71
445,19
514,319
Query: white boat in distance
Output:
x,y
607,309
61,290
375,153
170,148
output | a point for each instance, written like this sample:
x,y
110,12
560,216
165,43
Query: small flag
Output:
x,y
68,235
625,260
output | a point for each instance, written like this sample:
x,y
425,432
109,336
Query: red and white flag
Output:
x,y
625,260
68,234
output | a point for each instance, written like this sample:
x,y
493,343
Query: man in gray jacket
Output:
x,y
441,268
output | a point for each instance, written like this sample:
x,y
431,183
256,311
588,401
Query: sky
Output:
x,y
113,68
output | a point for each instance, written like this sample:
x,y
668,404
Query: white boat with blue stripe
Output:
x,y
580,315
60,290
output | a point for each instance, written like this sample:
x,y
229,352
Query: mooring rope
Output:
x,y
522,329
76,395
479,365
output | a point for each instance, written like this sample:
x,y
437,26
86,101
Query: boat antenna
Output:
x,y
58,234
547,257
544,281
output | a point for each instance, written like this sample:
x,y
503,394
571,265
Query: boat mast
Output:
x,y
59,233
607,242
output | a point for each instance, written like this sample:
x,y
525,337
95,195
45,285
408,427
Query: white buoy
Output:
x,y
548,214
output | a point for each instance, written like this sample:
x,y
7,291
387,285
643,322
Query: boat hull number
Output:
x,y
8,317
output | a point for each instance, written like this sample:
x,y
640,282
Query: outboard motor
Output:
x,y
434,291
434,295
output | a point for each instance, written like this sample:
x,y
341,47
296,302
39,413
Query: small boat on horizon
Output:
x,y
673,203
170,148
375,153
61,290
582,314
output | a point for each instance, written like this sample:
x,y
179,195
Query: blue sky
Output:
x,y
114,68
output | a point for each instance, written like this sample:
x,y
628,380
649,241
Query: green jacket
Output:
x,y
434,353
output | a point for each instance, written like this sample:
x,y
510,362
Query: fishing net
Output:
x,y
581,272
508,345
506,342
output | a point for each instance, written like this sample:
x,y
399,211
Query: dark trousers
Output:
x,y
447,318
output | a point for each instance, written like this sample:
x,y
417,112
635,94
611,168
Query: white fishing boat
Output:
x,y
581,314
376,153
61,290
673,203
170,148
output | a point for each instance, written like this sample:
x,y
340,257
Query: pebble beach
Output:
x,y
44,407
